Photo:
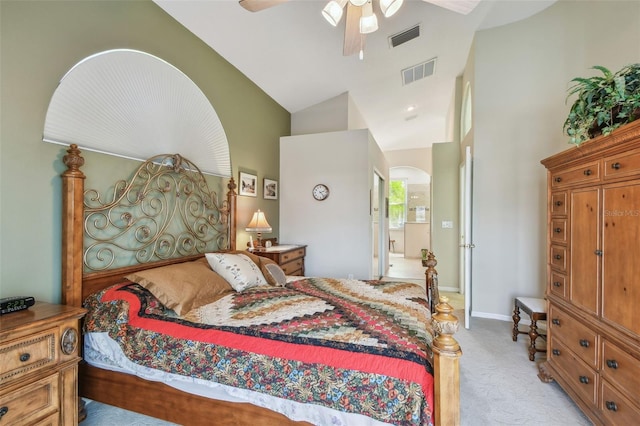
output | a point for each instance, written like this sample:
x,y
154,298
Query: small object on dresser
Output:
x,y
15,304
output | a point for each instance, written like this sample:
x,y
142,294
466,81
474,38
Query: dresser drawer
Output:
x,y
585,173
627,164
31,402
578,338
622,369
558,230
616,409
28,354
558,258
293,254
559,203
294,267
577,374
559,284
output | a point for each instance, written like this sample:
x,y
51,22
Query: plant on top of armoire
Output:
x,y
605,102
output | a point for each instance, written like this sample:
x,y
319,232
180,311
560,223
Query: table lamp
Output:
x,y
258,224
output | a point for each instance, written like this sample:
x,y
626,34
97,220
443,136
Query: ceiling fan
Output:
x,y
360,18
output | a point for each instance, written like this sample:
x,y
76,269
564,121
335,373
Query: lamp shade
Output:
x,y
369,20
258,223
389,7
332,12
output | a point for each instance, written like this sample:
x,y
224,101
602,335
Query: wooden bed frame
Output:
x,y
162,401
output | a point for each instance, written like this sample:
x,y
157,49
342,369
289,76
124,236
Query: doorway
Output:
x,y
409,221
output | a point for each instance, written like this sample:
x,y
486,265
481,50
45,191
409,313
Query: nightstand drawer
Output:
x,y
31,402
294,254
28,354
293,268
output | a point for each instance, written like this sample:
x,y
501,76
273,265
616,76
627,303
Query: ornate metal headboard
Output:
x,y
164,213
165,210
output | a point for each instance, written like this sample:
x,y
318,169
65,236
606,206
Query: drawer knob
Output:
x,y
615,166
584,343
584,380
558,203
598,252
558,179
555,321
25,357
611,406
612,363
556,352
558,230
587,172
557,257
556,284
3,410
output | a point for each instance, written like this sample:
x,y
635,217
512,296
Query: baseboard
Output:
x,y
449,289
507,318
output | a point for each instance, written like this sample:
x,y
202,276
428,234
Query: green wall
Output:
x,y
39,42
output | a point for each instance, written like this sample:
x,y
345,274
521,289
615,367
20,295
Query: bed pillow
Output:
x,y
238,269
183,286
262,263
276,273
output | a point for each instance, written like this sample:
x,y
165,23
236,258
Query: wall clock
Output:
x,y
320,192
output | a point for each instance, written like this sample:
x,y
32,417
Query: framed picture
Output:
x,y
248,184
270,191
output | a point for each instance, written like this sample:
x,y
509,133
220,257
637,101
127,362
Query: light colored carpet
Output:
x,y
498,384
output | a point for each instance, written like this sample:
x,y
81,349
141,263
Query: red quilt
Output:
x,y
354,346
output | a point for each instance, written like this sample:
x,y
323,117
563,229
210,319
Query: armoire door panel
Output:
x,y
621,221
585,246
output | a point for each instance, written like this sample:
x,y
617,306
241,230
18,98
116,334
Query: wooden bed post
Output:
x,y
432,280
446,355
232,198
72,228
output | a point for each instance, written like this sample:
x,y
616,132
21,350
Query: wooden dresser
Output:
x,y
593,289
290,257
39,348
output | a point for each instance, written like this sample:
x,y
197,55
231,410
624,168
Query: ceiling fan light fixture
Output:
x,y
358,3
369,20
332,12
390,7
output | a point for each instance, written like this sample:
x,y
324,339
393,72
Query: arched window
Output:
x,y
466,119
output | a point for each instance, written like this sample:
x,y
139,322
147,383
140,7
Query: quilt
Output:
x,y
349,345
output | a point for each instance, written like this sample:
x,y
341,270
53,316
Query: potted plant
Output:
x,y
605,102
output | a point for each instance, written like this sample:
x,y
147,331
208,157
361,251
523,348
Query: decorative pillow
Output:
x,y
238,269
276,273
183,286
262,262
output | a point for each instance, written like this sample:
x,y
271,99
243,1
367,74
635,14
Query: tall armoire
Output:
x,y
593,290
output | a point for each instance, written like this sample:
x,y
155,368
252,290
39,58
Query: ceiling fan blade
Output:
x,y
460,6
258,5
353,40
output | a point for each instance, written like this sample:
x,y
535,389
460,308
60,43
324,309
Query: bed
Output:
x,y
334,352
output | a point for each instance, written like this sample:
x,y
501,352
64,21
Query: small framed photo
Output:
x,y
248,184
270,189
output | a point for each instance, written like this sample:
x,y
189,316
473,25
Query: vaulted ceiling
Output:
x,y
296,57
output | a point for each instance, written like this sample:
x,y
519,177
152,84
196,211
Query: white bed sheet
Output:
x,y
103,352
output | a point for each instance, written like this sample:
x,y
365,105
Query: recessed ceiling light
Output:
x,y
411,108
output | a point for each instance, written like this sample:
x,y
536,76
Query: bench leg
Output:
x,y
533,335
516,320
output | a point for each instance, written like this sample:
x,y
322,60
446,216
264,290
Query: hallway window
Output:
x,y
397,203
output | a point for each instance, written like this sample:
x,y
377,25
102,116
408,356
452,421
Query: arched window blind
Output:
x,y
132,104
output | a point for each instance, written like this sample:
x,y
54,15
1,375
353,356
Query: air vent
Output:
x,y
404,36
418,72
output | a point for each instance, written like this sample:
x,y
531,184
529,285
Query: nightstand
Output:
x,y
39,347
290,257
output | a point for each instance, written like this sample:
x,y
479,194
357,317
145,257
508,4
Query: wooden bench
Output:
x,y
537,311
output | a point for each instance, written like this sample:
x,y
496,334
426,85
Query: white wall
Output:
x,y
333,115
338,230
521,75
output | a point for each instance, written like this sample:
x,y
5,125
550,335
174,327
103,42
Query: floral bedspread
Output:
x,y
354,346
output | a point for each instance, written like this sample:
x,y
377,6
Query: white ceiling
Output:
x,y
295,56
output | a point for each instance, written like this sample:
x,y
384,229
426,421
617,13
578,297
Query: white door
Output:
x,y
466,241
